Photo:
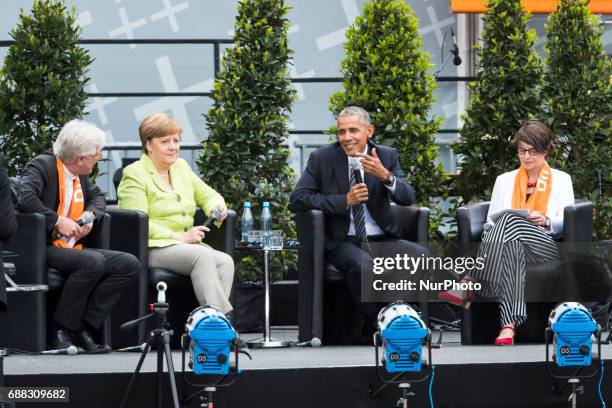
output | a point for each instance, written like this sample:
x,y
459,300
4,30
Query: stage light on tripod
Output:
x,y
209,336
402,333
572,327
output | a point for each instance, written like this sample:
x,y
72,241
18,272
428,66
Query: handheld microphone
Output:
x,y
314,342
134,348
355,166
455,49
70,350
214,216
86,218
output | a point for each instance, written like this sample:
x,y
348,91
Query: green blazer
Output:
x,y
169,211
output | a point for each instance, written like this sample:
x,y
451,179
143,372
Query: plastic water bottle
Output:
x,y
266,223
246,224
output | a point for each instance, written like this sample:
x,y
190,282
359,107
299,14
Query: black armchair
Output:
x,y
550,281
129,233
24,326
317,279
130,230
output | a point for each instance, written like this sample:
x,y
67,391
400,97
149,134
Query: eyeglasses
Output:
x,y
97,155
532,152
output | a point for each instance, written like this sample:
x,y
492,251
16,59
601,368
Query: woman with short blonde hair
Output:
x,y
163,186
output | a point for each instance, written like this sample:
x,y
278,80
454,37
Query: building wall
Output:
x,y
316,36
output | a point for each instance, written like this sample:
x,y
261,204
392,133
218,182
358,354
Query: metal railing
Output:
x,y
115,152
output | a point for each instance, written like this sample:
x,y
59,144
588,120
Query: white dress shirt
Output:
x,y
372,227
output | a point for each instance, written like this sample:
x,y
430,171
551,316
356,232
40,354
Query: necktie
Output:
x,y
358,212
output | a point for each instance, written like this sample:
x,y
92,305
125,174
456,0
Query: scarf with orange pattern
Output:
x,y
77,206
538,200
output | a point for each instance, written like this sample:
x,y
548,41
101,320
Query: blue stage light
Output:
x,y
572,326
572,330
403,332
211,336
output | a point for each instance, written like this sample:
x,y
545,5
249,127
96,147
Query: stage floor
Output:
x,y
451,353
328,376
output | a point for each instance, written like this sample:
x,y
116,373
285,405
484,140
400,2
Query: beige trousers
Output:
x,y
211,271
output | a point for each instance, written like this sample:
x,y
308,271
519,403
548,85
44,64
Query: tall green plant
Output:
x,y
577,96
385,72
244,157
42,81
505,94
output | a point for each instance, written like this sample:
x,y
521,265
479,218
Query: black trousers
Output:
x,y
349,258
95,281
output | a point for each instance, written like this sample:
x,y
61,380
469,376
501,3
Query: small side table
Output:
x,y
266,341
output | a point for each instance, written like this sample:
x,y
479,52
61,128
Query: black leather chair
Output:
x,y
25,324
550,281
130,231
323,293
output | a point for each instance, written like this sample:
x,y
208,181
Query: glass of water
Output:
x,y
276,239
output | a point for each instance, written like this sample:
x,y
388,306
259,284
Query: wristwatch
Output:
x,y
547,222
390,180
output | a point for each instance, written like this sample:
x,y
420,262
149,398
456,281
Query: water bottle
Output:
x,y
246,224
266,223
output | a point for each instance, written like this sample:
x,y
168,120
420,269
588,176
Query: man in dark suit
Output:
x,y
357,207
56,185
8,225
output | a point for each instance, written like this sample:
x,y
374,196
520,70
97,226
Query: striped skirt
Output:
x,y
507,248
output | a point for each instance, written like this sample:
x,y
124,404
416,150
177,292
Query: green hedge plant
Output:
x,y
577,99
504,95
244,157
42,81
385,72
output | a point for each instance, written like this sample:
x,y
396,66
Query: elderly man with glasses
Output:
x,y
56,185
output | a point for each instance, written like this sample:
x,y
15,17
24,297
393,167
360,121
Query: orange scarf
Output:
x,y
77,206
538,200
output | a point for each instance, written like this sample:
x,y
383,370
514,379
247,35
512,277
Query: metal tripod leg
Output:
x,y
158,375
163,349
165,338
128,391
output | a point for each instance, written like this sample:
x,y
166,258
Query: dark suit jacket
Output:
x,y
8,225
325,183
40,191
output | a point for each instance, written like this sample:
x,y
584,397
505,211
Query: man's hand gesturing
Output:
x,y
373,166
357,194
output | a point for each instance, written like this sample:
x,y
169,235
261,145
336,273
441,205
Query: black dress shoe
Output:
x,y
84,340
61,339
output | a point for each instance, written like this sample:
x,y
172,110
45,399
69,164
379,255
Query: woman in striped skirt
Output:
x,y
513,241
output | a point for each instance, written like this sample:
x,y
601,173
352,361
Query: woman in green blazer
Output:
x,y
163,186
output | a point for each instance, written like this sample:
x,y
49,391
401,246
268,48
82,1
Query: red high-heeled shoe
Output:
x,y
506,341
458,297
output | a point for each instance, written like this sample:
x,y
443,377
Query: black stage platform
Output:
x,y
332,376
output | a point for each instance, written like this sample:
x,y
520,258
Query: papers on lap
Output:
x,y
520,213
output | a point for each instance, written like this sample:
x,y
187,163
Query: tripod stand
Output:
x,y
161,337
